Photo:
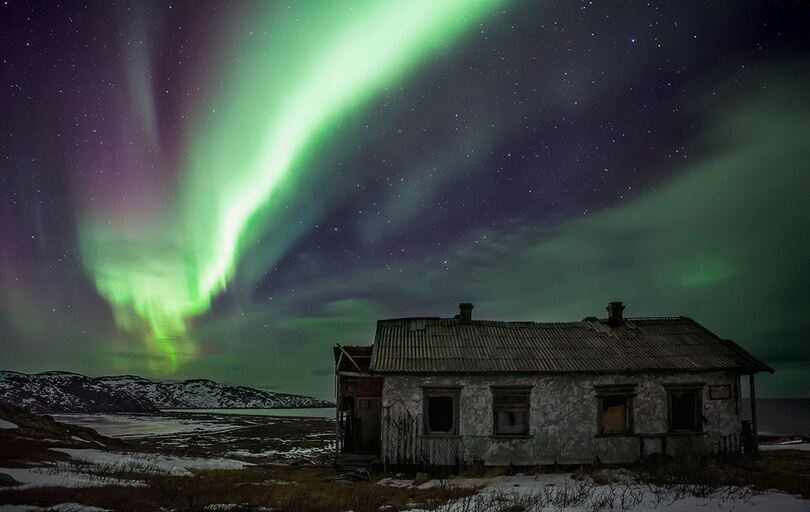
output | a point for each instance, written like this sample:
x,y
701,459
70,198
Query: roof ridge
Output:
x,y
410,318
556,322
658,318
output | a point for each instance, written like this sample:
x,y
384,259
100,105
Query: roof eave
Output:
x,y
742,370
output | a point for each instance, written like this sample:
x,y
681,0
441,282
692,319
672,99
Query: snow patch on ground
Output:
x,y
76,507
58,477
62,507
232,506
5,425
135,425
148,462
522,486
293,453
787,445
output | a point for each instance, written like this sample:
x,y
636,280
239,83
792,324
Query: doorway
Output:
x,y
366,431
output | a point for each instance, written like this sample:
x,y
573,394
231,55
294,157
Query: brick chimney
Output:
x,y
614,310
465,313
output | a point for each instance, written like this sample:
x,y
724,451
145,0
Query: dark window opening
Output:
x,y
441,411
684,411
511,409
614,414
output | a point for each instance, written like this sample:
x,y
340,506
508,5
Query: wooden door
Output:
x,y
367,433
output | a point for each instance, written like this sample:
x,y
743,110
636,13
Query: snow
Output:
x,y
58,477
67,475
62,507
293,453
233,506
5,425
76,507
787,445
149,462
71,392
306,412
141,425
497,492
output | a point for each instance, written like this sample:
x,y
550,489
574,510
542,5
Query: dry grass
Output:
x,y
785,470
283,489
292,489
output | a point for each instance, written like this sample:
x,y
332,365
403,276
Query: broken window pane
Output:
x,y
511,408
440,414
684,410
615,414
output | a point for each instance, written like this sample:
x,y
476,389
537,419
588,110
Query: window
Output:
x,y
614,414
511,409
685,409
441,411
615,409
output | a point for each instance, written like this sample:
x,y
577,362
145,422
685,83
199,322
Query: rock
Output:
x,y
7,481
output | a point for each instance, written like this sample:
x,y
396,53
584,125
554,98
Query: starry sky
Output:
x,y
225,190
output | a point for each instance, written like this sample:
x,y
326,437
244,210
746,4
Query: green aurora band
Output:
x,y
290,81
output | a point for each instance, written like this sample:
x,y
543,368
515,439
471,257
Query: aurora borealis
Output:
x,y
292,87
227,190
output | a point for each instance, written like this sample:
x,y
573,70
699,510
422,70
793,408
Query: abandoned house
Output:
x,y
457,391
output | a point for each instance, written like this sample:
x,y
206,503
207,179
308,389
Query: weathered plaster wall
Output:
x,y
563,419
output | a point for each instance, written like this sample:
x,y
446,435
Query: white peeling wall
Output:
x,y
563,420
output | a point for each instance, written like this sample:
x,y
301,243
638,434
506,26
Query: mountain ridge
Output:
x,y
68,392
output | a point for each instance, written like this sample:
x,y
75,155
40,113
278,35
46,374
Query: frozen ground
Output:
x,y
60,476
88,465
787,445
319,412
560,492
142,425
251,438
219,462
149,462
62,507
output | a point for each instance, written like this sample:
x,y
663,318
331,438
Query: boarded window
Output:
x,y
685,410
441,411
615,408
511,409
614,414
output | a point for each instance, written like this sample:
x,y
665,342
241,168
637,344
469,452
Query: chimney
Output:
x,y
465,313
614,310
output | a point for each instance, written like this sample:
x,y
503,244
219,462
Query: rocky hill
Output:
x,y
64,392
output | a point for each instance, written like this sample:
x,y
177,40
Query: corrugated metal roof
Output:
x,y
446,345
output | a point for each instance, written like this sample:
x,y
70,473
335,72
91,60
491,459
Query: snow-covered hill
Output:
x,y
64,392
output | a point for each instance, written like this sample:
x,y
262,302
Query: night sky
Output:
x,y
226,190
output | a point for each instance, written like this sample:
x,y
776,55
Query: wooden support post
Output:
x,y
754,430
337,415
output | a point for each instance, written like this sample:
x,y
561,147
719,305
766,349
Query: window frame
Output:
x,y
440,391
697,390
527,409
626,391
